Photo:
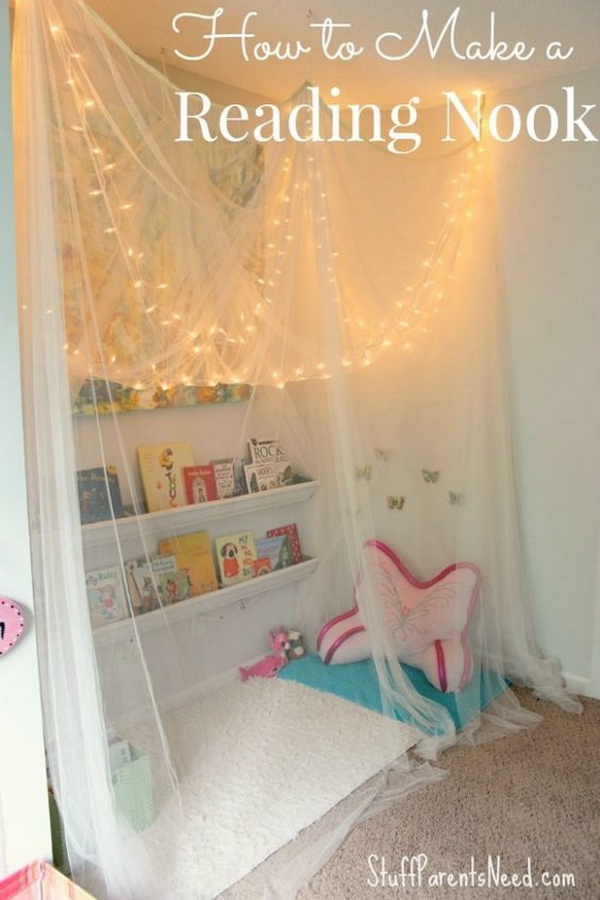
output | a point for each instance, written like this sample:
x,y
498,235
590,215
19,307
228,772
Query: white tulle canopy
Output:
x,y
344,300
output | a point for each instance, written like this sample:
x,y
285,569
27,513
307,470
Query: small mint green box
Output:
x,y
132,784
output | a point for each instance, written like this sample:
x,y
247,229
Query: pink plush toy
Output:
x,y
270,665
428,621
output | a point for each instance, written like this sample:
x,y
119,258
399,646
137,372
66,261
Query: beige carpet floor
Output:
x,y
533,795
527,803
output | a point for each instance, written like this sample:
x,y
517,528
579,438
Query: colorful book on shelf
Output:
x,y
106,596
174,587
268,476
262,566
292,532
239,477
99,494
193,555
277,549
236,554
146,579
266,451
200,483
161,470
229,477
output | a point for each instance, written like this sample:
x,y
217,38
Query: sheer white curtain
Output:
x,y
356,291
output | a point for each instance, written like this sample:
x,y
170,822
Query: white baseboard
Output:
x,y
578,685
188,695
201,689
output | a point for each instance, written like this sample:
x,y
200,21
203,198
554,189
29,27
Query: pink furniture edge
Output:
x,y
26,882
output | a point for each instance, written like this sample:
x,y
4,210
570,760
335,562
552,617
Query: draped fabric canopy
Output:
x,y
354,290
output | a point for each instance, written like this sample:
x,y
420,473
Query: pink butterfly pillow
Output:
x,y
428,621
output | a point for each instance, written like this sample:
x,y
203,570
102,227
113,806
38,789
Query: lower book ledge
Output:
x,y
160,618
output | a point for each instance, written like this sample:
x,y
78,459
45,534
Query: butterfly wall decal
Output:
x,y
364,472
430,477
456,499
382,455
395,502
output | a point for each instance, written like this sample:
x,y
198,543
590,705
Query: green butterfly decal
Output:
x,y
395,502
430,477
456,499
364,472
383,455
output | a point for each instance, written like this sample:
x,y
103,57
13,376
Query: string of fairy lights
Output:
x,y
166,317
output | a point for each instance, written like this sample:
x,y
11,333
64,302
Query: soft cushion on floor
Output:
x,y
358,683
428,621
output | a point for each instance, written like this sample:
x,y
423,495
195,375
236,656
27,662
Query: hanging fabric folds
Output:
x,y
195,304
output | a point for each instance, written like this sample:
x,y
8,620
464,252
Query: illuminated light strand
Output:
x,y
469,214
381,337
87,105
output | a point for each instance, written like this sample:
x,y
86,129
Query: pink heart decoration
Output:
x,y
12,623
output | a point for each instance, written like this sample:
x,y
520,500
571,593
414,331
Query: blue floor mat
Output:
x,y
358,683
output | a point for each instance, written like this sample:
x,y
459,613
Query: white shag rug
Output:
x,y
257,762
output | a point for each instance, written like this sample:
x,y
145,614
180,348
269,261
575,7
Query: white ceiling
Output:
x,y
145,25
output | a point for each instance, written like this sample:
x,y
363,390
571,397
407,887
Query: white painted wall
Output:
x,y
24,824
550,228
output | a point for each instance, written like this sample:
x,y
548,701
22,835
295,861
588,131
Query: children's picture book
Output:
x,y
262,566
236,554
239,477
224,478
266,451
200,483
292,533
161,470
229,477
277,549
99,494
193,555
174,587
144,580
106,596
268,476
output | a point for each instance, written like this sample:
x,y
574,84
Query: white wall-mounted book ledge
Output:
x,y
190,518
236,593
